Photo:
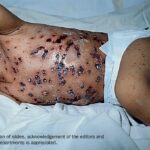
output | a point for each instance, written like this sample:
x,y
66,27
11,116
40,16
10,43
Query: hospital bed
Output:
x,y
101,126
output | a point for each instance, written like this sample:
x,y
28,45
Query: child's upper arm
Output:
x,y
8,21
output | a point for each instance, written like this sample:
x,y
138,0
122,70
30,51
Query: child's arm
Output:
x,y
8,21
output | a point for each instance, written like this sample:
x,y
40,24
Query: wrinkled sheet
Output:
x,y
102,120
110,122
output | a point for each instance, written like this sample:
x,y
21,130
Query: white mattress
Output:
x,y
107,120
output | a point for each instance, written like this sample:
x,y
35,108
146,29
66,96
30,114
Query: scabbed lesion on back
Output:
x,y
67,66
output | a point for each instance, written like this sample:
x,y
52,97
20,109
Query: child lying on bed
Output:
x,y
44,65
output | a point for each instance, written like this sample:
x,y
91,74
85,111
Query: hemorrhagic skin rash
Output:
x,y
51,64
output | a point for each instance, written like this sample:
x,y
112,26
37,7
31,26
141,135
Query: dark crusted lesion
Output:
x,y
40,49
90,91
103,61
84,35
30,94
40,77
98,79
64,56
22,86
76,47
37,79
68,100
44,72
95,55
61,79
65,71
32,38
60,38
82,85
35,51
15,70
71,93
44,80
98,66
20,59
57,57
97,39
72,69
44,53
60,68
69,43
48,40
38,100
76,99
17,61
80,70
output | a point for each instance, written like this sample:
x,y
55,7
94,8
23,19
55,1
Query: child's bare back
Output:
x,y
43,65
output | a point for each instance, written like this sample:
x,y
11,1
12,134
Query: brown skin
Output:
x,y
8,21
44,64
133,81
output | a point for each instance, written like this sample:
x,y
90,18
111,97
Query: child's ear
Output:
x,y
8,21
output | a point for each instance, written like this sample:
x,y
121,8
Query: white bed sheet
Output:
x,y
103,119
97,119
107,17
